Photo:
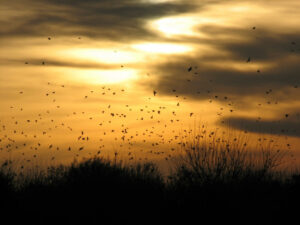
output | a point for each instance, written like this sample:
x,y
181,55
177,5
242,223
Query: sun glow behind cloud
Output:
x,y
103,76
108,56
162,48
175,25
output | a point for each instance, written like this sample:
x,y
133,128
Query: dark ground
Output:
x,y
99,192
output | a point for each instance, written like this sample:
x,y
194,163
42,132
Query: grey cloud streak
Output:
x,y
280,127
59,63
106,19
282,76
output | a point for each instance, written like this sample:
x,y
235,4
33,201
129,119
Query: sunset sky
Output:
x,y
130,75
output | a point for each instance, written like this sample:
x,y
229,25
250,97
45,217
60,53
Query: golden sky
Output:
x,y
76,69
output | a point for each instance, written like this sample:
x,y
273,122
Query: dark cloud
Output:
x,y
58,63
215,72
284,127
106,19
261,44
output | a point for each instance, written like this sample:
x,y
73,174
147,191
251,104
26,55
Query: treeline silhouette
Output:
x,y
211,184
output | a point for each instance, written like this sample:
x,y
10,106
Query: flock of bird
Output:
x,y
161,131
